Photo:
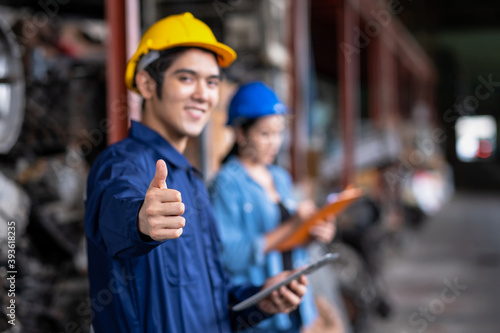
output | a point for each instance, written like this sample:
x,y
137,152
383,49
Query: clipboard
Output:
x,y
252,300
301,235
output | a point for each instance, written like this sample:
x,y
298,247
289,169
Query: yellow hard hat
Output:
x,y
175,31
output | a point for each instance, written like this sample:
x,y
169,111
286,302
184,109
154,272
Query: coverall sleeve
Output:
x,y
247,318
240,248
115,195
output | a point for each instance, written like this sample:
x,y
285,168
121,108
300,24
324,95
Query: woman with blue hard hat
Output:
x,y
253,202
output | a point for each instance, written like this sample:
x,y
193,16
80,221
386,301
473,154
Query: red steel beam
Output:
x,y
412,54
382,80
347,19
375,82
117,109
299,47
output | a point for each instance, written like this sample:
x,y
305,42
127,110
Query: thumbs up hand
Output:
x,y
160,215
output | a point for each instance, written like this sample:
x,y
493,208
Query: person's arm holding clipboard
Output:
x,y
309,227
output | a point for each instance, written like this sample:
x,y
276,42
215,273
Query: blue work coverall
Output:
x,y
141,285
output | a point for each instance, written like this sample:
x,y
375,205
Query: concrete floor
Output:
x,y
458,247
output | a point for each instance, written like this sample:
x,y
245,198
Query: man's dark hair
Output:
x,y
158,67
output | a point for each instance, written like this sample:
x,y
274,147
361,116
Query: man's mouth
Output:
x,y
195,112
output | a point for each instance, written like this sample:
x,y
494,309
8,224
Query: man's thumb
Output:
x,y
160,175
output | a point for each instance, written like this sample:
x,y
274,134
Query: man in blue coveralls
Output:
x,y
152,239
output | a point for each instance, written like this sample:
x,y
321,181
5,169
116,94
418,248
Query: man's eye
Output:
x,y
185,78
213,83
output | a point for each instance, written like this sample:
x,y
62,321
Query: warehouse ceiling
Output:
x,y
417,15
432,15
468,29
75,8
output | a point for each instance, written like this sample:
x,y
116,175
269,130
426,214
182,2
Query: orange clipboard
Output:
x,y
301,235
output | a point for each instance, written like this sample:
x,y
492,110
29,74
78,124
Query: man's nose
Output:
x,y
200,93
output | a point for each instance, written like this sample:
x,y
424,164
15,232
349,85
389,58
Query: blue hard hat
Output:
x,y
253,100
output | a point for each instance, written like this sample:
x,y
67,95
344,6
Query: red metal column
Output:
x,y
133,37
348,19
389,64
117,110
382,79
299,47
374,82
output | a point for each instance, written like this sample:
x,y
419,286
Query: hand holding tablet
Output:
x,y
328,258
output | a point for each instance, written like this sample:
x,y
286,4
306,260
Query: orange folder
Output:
x,y
301,235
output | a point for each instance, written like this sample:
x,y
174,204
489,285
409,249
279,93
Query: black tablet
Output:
x,y
266,292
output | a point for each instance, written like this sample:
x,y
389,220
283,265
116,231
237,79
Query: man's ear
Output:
x,y
145,84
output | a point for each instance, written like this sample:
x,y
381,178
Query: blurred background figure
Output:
x,y
254,205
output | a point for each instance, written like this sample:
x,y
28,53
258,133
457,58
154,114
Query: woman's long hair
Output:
x,y
235,150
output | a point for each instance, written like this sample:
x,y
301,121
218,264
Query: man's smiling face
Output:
x,y
190,91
